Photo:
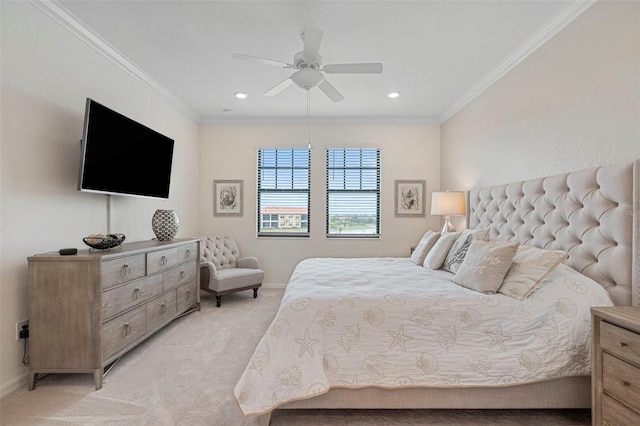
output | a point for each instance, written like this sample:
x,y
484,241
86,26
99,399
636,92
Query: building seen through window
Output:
x,y
284,218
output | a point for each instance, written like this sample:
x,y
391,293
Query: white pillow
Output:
x,y
424,246
460,246
530,266
485,265
438,253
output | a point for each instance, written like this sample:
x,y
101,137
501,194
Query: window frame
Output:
x,y
376,191
292,190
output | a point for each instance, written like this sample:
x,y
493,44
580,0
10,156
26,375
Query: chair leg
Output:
x,y
218,298
255,293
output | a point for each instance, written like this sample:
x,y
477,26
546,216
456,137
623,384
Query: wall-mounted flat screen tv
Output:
x,y
123,157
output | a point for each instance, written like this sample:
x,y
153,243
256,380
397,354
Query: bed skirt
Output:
x,y
571,392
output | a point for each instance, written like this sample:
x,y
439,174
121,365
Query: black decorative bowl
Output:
x,y
109,241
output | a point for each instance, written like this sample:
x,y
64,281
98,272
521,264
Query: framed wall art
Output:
x,y
410,197
227,198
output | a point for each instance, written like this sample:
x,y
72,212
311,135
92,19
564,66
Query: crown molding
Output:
x,y
321,121
554,26
60,14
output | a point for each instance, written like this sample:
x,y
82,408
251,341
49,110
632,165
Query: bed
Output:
x,y
387,333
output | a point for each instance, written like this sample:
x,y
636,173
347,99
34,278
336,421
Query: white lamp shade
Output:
x,y
445,203
307,78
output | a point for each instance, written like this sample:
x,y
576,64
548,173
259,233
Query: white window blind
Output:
x,y
283,192
353,192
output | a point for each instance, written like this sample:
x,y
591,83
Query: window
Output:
x,y
283,192
353,193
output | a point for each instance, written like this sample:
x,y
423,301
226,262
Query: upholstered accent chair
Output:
x,y
223,271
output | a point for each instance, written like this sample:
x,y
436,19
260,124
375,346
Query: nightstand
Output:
x,y
615,365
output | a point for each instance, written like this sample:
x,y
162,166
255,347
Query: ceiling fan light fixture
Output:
x,y
307,78
310,69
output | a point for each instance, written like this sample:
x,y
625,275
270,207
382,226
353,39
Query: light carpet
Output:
x,y
185,374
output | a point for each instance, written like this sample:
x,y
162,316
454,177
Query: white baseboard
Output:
x,y
13,384
274,285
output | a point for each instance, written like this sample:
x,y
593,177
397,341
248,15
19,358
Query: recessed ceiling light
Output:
x,y
241,95
393,95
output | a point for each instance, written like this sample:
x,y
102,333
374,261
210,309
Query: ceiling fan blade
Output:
x,y
330,91
312,38
279,87
261,60
365,68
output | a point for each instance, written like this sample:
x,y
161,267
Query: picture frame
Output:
x,y
228,198
410,198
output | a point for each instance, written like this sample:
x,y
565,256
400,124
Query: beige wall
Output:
x,y
46,75
407,152
572,104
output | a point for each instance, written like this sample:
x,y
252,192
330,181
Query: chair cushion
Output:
x,y
222,251
232,278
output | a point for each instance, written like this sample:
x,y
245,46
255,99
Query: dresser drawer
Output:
x,y
620,341
616,414
186,295
119,299
161,310
122,331
121,270
161,260
179,275
187,252
621,380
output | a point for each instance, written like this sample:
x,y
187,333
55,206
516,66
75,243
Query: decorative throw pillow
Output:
x,y
530,266
424,246
460,246
438,253
485,265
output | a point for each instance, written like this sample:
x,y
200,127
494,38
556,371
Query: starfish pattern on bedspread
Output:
x,y
306,344
399,339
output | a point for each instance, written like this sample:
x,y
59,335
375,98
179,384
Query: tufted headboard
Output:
x,y
593,214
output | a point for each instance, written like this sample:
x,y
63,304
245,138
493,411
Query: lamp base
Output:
x,y
448,227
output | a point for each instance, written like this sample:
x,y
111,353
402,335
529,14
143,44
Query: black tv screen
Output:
x,y
123,157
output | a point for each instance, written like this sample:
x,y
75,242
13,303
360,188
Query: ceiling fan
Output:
x,y
309,67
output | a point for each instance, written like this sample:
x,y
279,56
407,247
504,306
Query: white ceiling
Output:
x,y
438,54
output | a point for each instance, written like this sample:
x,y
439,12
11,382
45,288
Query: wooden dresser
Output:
x,y
615,380
87,310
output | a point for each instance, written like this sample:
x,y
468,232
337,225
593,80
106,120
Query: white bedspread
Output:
x,y
386,322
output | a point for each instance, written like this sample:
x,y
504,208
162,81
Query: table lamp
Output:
x,y
448,203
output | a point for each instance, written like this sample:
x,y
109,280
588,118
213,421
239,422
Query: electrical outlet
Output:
x,y
19,325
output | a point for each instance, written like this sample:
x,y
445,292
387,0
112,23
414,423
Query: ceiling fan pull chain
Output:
x,y
309,116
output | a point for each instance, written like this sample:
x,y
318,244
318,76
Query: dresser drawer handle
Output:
x,y
625,383
126,270
163,260
187,295
623,344
163,309
127,329
187,254
137,293
182,274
